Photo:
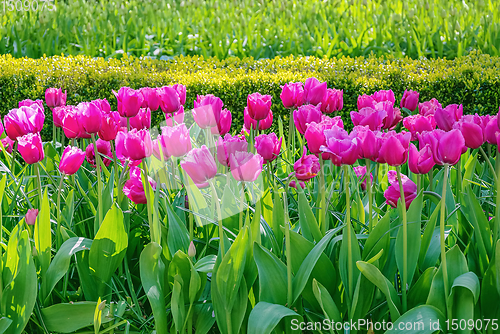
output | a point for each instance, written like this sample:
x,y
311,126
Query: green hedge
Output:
x,y
473,80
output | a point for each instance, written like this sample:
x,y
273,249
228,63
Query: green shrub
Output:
x,y
472,80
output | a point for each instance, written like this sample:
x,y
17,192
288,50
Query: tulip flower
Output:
x,y
372,118
156,149
245,166
417,124
176,139
57,116
134,145
175,117
129,101
259,106
293,184
103,147
103,105
394,148
342,147
447,147
200,165
473,129
31,148
31,103
169,99
251,123
314,91
206,107
384,95
142,120
110,124
292,95
71,124
393,114
365,101
24,120
393,194
360,172
31,216
369,142
151,98
447,117
332,101
304,115
214,102
90,116
134,188
410,100
315,135
420,162
429,107
71,160
223,120
181,92
229,145
306,167
491,130
54,97
8,144
268,146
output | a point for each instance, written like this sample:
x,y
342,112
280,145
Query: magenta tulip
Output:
x,y
71,123
268,146
31,103
342,146
8,144
31,148
315,134
156,149
90,116
103,104
223,120
420,162
57,116
372,118
31,216
314,91
151,98
360,172
384,95
369,142
292,95
200,165
176,139
142,120
134,188
394,148
211,103
181,92
447,147
175,117
245,166
429,107
110,124
229,145
263,124
134,145
491,130
393,114
393,193
472,128
417,124
306,167
71,160
332,101
447,117
169,99
366,101
129,101
306,114
410,100
54,97
259,106
293,184
24,120
104,149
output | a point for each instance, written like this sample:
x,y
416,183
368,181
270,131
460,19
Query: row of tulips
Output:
x,y
246,230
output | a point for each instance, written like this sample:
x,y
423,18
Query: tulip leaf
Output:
x,y
419,292
197,203
427,238
325,300
378,239
278,218
425,319
178,235
349,255
43,236
307,220
272,276
178,309
70,317
265,316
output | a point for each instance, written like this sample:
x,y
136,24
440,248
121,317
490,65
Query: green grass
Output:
x,y
260,29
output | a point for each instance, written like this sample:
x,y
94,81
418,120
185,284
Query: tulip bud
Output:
x,y
91,116
176,139
71,160
410,100
393,193
31,148
129,101
268,146
191,250
306,167
292,95
200,165
54,97
102,305
314,91
251,123
332,101
259,106
169,99
30,217
305,115
134,188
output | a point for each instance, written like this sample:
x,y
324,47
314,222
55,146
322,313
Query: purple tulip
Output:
x,y
372,118
31,148
200,165
223,120
393,114
447,117
103,148
315,135
176,139
384,95
393,193
169,99
369,142
142,120
134,188
156,149
129,101
417,124
259,106
410,100
181,92
314,91
263,124
134,145
304,115
54,97
268,146
177,117
245,166
292,95
229,145
71,160
394,148
151,98
447,147
24,120
110,124
420,162
306,167
360,172
491,130
31,216
90,116
429,107
472,128
342,146
366,101
332,101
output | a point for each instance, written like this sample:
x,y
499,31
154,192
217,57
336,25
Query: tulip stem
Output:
x,y
291,135
13,161
128,124
487,160
146,185
288,246
39,181
497,214
99,180
441,236
54,135
115,163
419,183
242,205
322,191
219,217
405,239
173,172
62,140
370,198
58,226
350,270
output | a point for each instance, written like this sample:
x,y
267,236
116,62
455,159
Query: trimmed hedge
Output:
x,y
473,80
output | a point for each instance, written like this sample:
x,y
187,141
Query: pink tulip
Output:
x,y
314,91
472,128
169,99
176,139
31,216
90,116
447,147
200,165
429,107
293,184
207,109
491,130
292,95
54,97
410,100
420,162
142,120
304,115
263,124
103,105
223,120
369,142
71,160
417,124
393,114
110,124
306,167
259,106
8,144
175,117
103,148
129,101
31,103
151,98
245,166
447,117
393,194
332,101
181,92
24,120
71,123
57,116
229,145
373,119
360,172
268,146
315,135
384,95
156,149
342,146
134,188
394,148
134,145
366,101
31,148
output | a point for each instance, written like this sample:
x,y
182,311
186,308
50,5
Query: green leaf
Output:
x,y
330,310
349,252
419,292
67,318
43,236
307,220
272,276
424,319
463,297
278,218
178,309
206,264
178,235
265,316
378,239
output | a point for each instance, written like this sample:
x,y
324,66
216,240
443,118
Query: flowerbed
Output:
x,y
115,226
